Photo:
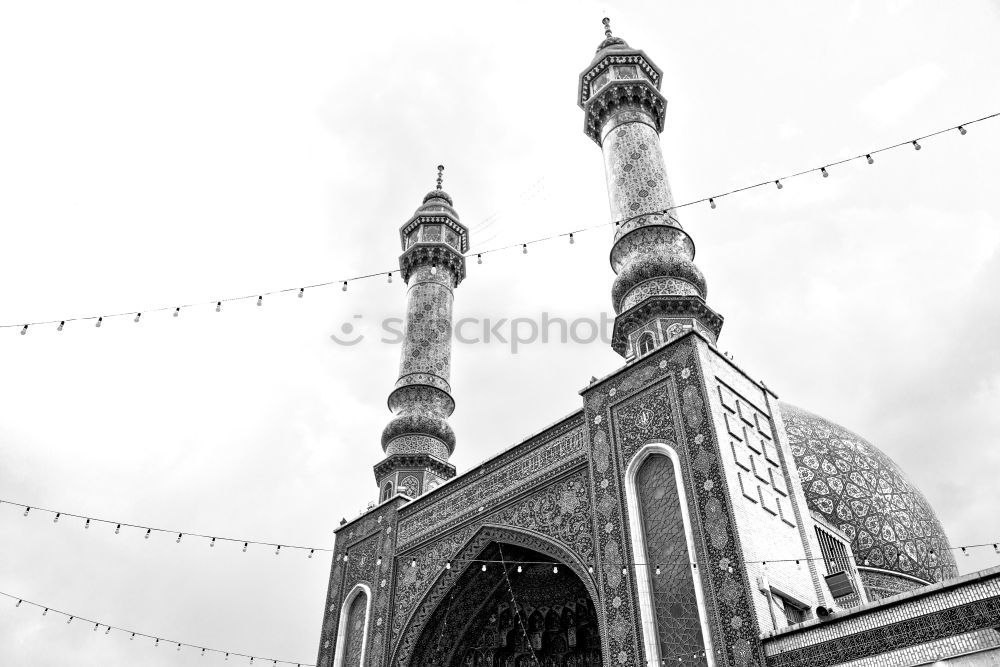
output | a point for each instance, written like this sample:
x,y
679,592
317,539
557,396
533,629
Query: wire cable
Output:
x,y
157,639
259,296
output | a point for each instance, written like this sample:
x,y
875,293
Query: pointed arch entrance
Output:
x,y
472,619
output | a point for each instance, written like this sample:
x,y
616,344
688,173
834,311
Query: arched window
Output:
x,y
646,343
386,492
671,602
352,634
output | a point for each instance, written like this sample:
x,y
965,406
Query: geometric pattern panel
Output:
x,y
355,631
863,492
877,641
674,600
753,449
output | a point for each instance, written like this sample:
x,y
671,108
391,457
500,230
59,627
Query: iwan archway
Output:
x,y
527,607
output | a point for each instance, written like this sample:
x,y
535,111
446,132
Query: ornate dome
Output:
x,y
862,492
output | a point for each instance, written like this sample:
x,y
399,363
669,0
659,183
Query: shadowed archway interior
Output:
x,y
551,618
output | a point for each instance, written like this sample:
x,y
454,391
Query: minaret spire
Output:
x,y
418,440
658,293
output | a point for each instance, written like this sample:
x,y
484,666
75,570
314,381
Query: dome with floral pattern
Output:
x,y
862,492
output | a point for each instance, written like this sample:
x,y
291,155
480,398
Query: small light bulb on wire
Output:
x,y
24,329
590,569
484,567
519,568
148,531
711,202
962,130
212,543
61,325
177,311
244,547
260,300
657,570
108,631
179,536
624,571
479,259
302,292
344,288
45,612
26,510
965,552
118,529
218,306
434,269
99,321
56,520
137,316
571,241
132,637
555,569
311,551
390,277
996,549
916,146
825,173
413,562
524,248
87,524
447,565
96,626
69,620
278,550
778,184
18,603
870,159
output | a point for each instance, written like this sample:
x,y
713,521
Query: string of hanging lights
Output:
x,y
517,607
212,539
34,510
157,641
778,182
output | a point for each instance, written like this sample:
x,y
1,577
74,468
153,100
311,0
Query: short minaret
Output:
x,y
418,441
658,293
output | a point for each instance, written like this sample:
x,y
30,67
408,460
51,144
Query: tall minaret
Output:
x,y
418,441
658,293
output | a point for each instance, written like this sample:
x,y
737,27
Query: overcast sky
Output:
x,y
161,154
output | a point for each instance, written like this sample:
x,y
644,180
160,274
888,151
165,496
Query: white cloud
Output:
x,y
900,95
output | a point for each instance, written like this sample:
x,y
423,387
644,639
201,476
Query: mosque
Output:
x,y
638,530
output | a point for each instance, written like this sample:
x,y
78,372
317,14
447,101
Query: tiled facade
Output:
x,y
673,519
954,618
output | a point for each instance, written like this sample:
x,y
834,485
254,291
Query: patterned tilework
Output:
x,y
674,599
662,398
427,341
977,643
364,541
505,476
637,177
863,492
355,631
943,614
881,585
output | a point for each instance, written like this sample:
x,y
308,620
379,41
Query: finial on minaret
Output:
x,y
440,176
607,27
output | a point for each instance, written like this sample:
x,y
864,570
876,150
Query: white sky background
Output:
x,y
162,154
